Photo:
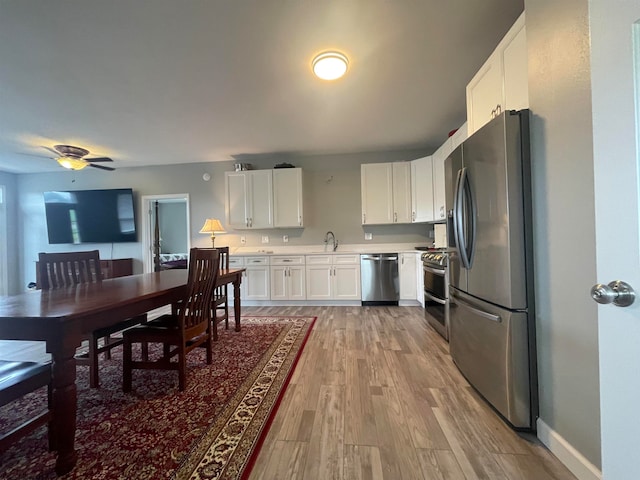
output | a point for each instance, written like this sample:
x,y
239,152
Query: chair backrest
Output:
x,y
195,311
223,252
60,270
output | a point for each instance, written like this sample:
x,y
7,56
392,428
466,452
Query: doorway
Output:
x,y
173,226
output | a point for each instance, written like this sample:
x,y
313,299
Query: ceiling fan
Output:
x,y
73,158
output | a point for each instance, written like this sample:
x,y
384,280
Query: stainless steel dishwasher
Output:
x,y
379,279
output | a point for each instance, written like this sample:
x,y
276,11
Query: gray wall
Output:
x,y
331,186
13,245
173,224
562,150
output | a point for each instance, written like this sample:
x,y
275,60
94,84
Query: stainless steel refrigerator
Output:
x,y
492,318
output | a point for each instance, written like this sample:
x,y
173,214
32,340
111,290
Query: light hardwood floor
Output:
x,y
376,395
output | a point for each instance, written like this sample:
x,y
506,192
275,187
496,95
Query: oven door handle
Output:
x,y
434,299
435,271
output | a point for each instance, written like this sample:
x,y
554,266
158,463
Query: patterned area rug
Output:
x,y
211,431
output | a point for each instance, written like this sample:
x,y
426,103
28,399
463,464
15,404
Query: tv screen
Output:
x,y
90,216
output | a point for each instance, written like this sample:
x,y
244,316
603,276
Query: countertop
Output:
x,y
320,249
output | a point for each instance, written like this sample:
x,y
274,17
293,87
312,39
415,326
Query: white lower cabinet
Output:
x,y
287,278
255,280
333,277
407,273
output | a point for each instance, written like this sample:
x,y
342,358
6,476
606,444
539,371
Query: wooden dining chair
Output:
x,y
187,327
221,294
16,380
62,270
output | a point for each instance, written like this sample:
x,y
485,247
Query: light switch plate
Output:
x,y
285,239
243,240
265,238
368,236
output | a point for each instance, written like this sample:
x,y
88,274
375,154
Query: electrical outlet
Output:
x,y
265,238
368,236
243,240
285,238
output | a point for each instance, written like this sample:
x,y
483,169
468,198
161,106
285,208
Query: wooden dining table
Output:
x,y
63,317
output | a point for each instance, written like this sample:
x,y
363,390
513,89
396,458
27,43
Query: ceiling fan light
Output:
x,y
330,65
72,163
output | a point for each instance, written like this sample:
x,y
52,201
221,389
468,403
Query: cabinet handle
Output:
x,y
498,109
300,220
246,222
364,218
413,216
395,217
250,222
442,211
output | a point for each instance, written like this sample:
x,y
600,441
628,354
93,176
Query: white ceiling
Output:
x,y
151,82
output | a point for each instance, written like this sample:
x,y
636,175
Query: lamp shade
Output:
x,y
212,225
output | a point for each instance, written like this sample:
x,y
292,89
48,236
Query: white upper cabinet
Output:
x,y
501,83
249,197
422,190
377,193
386,193
439,196
287,197
401,192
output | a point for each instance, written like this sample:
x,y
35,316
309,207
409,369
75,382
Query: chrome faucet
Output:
x,y
334,242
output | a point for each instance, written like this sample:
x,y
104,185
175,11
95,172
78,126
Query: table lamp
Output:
x,y
212,226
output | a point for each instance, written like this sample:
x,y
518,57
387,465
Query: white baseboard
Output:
x,y
582,468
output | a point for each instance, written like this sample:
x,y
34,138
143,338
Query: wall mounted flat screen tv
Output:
x,y
90,216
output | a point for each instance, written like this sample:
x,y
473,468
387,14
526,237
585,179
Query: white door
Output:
x,y
616,158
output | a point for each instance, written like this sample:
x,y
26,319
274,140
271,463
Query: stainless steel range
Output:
x,y
435,265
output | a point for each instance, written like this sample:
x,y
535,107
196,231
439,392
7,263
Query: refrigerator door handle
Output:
x,y
457,219
472,223
481,313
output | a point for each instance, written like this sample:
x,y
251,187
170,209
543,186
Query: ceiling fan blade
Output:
x,y
33,155
55,152
98,159
101,167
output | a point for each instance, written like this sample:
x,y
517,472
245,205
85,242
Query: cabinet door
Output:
x,y
407,274
287,197
279,283
237,193
261,199
439,195
401,192
516,72
319,282
346,282
484,93
296,283
422,190
257,283
377,193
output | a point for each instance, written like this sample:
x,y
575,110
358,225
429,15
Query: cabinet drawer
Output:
x,y
236,262
288,260
250,261
319,259
351,259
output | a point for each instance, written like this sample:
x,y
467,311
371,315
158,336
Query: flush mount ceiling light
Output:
x,y
330,65
72,163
